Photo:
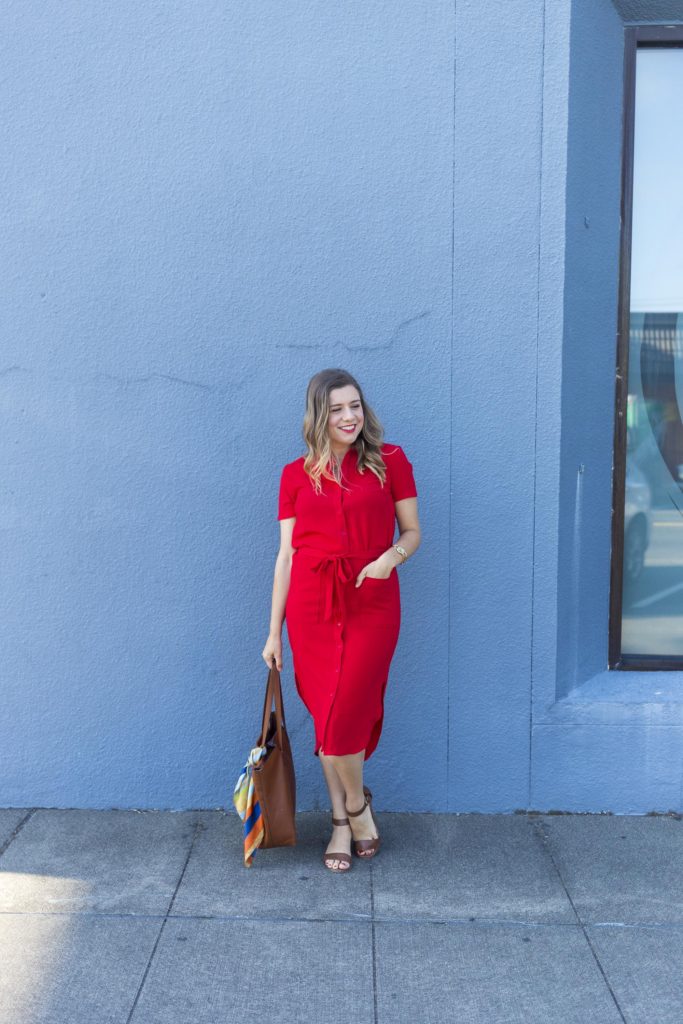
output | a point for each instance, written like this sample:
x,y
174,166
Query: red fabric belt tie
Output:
x,y
336,570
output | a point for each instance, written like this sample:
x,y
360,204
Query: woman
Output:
x,y
336,583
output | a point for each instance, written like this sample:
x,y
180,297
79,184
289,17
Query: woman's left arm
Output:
x,y
408,538
409,531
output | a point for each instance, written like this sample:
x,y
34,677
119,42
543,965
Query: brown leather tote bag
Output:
x,y
274,778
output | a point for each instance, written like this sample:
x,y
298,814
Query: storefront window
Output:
x,y
652,494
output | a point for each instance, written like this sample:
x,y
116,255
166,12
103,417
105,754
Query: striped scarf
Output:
x,y
248,807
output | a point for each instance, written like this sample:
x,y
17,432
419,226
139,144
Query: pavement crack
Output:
x,y
17,829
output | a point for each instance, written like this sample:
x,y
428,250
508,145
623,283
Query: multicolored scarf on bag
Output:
x,y
248,807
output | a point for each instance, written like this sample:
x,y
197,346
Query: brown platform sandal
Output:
x,y
360,846
343,857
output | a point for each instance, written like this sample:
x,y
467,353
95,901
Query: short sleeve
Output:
x,y
401,479
287,496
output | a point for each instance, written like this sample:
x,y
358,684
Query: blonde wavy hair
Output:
x,y
316,436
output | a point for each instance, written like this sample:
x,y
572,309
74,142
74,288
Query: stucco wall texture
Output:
x,y
203,204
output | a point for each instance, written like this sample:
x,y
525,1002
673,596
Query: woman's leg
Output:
x,y
341,834
349,770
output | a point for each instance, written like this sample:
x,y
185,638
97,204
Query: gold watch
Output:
x,y
402,552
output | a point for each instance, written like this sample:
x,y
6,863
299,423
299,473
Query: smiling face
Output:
x,y
346,410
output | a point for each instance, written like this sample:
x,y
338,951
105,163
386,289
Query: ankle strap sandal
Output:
x,y
343,857
366,848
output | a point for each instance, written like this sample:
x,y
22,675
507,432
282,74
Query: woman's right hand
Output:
x,y
273,649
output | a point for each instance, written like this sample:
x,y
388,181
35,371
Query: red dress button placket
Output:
x,y
339,579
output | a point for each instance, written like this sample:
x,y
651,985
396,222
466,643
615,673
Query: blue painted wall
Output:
x,y
204,204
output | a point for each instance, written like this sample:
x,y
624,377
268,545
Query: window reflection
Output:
x,y
652,617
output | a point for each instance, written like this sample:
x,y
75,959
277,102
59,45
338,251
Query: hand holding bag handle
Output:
x,y
274,776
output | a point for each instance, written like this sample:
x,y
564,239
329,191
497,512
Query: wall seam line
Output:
x,y
535,455
450,453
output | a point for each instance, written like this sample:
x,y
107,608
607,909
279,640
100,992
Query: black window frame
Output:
x,y
635,37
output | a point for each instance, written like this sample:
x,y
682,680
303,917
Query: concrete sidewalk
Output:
x,y
148,916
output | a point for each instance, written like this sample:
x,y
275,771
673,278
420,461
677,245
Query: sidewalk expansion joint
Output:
x,y
539,831
199,827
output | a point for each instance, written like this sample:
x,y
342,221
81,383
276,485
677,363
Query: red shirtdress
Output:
x,y
343,637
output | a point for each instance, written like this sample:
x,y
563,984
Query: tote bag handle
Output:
x,y
273,689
